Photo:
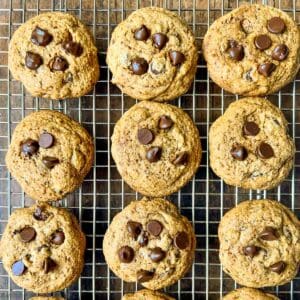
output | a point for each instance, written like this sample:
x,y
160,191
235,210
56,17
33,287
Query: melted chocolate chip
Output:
x,y
181,158
143,239
145,136
269,234
181,240
235,51
58,63
157,254
165,122
126,254
40,37
251,250
278,267
33,60
139,66
159,40
276,25
266,69
58,237
18,268
27,234
142,34
48,265
144,275
265,151
176,57
72,48
46,140
154,227
251,128
153,154
50,162
29,147
40,215
263,42
280,52
239,152
134,228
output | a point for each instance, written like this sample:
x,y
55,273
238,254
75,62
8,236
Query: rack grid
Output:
x,y
103,194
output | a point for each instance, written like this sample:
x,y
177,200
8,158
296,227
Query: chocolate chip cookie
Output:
x,y
149,242
250,146
46,298
146,295
42,248
49,155
156,148
249,294
259,243
253,50
54,56
152,55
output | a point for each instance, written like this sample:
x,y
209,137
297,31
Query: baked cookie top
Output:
x,y
54,56
152,55
249,294
156,148
146,295
46,298
42,248
259,243
149,242
250,146
253,50
49,155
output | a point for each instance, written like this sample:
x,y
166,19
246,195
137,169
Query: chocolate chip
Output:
x,y
181,240
40,215
266,69
251,128
48,265
46,140
251,250
58,237
126,254
33,60
139,66
278,267
154,227
269,234
72,48
144,275
263,42
239,152
176,57
142,34
143,239
159,40
58,63
157,254
134,228
181,158
153,154
29,147
235,51
18,268
40,37
165,122
265,151
276,25
27,234
50,162
145,136
280,52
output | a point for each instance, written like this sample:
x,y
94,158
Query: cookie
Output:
x,y
42,248
54,56
46,298
146,295
49,155
253,50
259,243
250,146
152,55
249,294
149,242
156,148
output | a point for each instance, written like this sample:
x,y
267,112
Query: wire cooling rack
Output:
x,y
103,194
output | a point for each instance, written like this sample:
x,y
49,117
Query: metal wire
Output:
x,y
204,200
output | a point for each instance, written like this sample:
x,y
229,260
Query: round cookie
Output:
x,y
249,294
147,295
250,146
156,148
46,298
42,248
259,243
49,155
253,50
54,56
150,242
152,55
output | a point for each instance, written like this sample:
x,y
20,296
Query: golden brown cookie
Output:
x,y
46,298
156,148
54,56
147,295
259,243
249,294
152,55
42,248
150,242
49,155
253,50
